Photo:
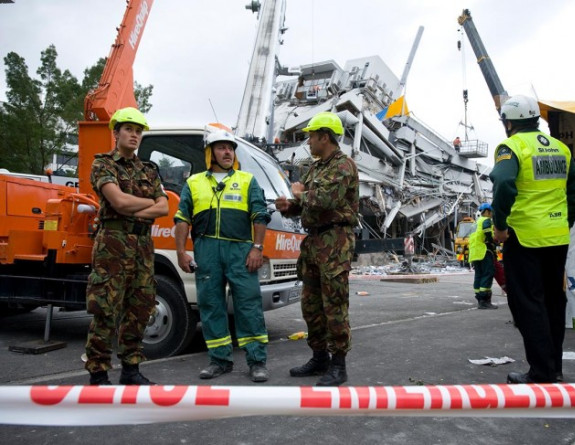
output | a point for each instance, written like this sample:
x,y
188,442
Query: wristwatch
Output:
x,y
259,247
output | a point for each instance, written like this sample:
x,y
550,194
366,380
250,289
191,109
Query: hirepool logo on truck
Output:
x,y
289,243
163,232
140,20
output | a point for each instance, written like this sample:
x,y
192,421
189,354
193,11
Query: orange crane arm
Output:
x,y
115,90
116,87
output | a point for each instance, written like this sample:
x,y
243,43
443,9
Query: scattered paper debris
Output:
x,y
568,355
362,293
492,361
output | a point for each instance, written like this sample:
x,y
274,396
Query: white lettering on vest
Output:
x,y
549,167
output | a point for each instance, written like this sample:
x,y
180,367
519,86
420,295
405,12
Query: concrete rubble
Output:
x,y
413,180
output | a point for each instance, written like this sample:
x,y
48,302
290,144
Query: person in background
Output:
x,y
121,291
481,256
457,144
328,201
227,212
533,209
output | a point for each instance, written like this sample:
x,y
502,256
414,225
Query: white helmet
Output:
x,y
219,135
214,133
520,107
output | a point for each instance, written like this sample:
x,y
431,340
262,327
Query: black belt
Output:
x,y
132,228
321,229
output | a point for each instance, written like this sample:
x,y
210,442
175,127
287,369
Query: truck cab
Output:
x,y
179,153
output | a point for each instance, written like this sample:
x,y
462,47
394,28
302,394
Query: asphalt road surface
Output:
x,y
404,333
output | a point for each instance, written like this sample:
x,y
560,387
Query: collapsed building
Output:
x,y
413,180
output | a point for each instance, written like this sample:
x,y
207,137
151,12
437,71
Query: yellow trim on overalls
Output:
x,y
217,342
245,340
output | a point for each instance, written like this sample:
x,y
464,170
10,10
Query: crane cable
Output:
x,y
312,37
461,48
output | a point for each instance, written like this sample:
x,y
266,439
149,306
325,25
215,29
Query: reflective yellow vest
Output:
x,y
539,214
223,214
477,247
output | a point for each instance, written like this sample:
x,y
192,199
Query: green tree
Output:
x,y
58,90
143,95
40,117
165,162
19,116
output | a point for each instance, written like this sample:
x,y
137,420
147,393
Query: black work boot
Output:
x,y
99,378
317,365
131,376
519,377
336,373
215,370
486,304
259,372
484,299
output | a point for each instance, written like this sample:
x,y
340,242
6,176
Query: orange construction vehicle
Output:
x,y
46,229
464,228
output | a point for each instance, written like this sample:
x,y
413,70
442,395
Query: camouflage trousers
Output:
x,y
325,295
121,297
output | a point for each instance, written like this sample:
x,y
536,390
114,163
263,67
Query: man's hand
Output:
x,y
282,204
254,260
297,189
186,262
500,235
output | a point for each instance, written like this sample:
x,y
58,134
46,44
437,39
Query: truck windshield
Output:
x,y
268,173
179,156
465,229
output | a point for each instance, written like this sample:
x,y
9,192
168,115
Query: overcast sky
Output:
x,y
194,52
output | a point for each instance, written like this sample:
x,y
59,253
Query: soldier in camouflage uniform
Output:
x,y
121,288
328,202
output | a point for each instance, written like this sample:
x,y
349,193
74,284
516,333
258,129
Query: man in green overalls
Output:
x,y
227,212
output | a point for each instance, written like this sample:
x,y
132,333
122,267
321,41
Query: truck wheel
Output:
x,y
171,329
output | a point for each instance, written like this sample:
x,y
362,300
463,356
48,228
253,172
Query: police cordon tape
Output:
x,y
123,405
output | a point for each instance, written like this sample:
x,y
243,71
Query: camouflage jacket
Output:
x,y
331,193
131,175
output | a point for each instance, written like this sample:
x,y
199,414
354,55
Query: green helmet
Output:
x,y
325,120
128,114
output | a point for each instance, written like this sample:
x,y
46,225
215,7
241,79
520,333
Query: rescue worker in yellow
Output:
x,y
227,212
533,208
481,256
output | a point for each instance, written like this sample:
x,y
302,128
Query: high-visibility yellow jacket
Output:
x,y
539,213
477,246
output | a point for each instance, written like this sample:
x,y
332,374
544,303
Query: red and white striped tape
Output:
x,y
121,405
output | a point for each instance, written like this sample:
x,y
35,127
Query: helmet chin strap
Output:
x,y
508,131
223,168
215,161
